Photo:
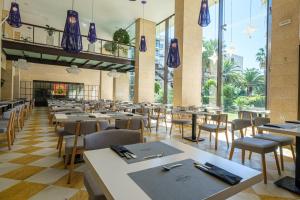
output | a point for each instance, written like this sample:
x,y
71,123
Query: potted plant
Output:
x,y
50,35
121,36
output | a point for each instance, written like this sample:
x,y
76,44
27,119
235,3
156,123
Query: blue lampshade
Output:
x,y
204,17
72,40
92,36
143,44
173,60
14,18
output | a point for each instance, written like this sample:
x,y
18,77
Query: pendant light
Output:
x,y
250,29
214,57
204,16
143,43
92,35
173,60
72,39
231,48
14,17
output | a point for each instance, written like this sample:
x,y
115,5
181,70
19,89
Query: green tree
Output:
x,y
231,72
210,47
253,79
261,57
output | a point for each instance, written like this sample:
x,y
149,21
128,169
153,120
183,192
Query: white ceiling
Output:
x,y
109,15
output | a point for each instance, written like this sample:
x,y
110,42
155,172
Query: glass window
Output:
x,y
244,55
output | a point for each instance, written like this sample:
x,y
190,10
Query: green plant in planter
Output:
x,y
60,91
121,36
50,30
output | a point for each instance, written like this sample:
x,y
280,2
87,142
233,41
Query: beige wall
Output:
x,y
284,68
145,63
106,87
187,78
122,87
8,76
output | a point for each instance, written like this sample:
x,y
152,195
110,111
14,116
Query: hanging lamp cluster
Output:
x,y
204,17
143,43
14,17
72,39
92,35
250,29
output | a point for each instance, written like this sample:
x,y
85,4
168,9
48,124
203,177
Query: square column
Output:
x,y
8,76
187,78
144,62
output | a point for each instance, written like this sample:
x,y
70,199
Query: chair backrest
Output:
x,y
88,127
103,124
132,124
104,139
239,124
259,121
70,127
246,115
219,118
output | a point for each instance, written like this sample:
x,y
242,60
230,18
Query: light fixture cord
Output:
x,y
92,10
215,19
143,18
72,4
250,12
231,20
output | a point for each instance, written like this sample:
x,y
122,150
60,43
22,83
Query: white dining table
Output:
x,y
111,172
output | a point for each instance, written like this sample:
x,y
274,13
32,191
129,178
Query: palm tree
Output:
x,y
261,57
210,47
253,78
231,72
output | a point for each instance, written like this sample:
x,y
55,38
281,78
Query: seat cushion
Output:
x,y
211,127
92,187
70,144
62,132
255,145
3,129
282,140
182,121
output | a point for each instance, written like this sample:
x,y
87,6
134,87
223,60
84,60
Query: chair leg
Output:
x,y
166,125
209,136
293,153
182,132
8,140
171,129
277,163
67,158
226,135
198,135
72,164
216,141
281,158
231,152
243,156
253,131
264,168
60,146
250,155
157,124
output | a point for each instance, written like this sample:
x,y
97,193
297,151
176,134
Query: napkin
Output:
x,y
221,174
120,150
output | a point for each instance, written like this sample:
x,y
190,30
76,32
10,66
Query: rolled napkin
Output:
x,y
122,151
92,116
130,115
68,113
283,126
293,122
272,125
220,173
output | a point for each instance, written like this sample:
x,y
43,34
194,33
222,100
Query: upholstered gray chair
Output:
x,y
255,145
103,140
69,129
179,120
74,145
249,116
132,124
280,139
157,114
6,127
220,125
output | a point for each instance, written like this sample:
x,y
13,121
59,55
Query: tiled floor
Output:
x,y
32,169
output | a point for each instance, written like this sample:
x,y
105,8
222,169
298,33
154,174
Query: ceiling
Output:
x,y
109,15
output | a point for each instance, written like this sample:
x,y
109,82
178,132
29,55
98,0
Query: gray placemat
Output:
x,y
152,148
185,182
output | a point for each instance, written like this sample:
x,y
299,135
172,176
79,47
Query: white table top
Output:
x,y
293,132
110,171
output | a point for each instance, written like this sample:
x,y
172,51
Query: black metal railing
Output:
x,y
42,35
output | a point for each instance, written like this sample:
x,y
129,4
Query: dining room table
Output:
x,y
173,176
291,128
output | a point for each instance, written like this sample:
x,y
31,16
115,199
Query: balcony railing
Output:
x,y
35,34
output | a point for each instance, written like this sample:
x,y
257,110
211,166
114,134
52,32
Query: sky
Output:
x,y
245,46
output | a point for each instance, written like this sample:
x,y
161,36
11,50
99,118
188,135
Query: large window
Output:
x,y
163,74
244,55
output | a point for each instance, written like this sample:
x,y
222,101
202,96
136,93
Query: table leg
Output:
x,y
289,183
194,130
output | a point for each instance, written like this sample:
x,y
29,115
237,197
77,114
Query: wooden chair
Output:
x,y
6,127
178,119
220,125
255,145
157,114
75,145
132,124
